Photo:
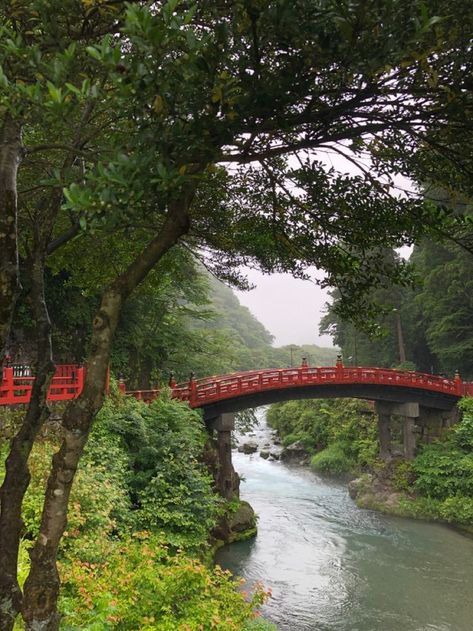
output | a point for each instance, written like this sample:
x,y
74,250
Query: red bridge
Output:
x,y
237,391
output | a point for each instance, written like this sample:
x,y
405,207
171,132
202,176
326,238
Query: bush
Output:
x,y
403,475
457,509
463,432
320,424
302,437
332,460
169,489
442,471
140,585
140,468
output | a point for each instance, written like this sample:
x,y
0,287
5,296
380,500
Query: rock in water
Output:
x,y
248,448
296,451
243,518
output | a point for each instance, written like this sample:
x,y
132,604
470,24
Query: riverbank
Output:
x,y
333,566
339,438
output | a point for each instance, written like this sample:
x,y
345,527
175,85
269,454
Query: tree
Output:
x,y
185,88
444,301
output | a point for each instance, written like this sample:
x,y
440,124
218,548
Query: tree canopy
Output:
x,y
128,129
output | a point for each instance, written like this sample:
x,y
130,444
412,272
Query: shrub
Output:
x,y
321,423
443,471
169,489
457,509
139,585
332,460
403,475
463,432
290,439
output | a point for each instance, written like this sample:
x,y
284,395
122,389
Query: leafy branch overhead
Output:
x,y
131,128
205,85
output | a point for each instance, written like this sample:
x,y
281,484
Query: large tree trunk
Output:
x,y
10,155
42,585
17,476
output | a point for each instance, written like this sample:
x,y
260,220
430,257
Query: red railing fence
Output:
x,y
68,382
17,383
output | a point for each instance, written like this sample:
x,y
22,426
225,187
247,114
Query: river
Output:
x,y
332,566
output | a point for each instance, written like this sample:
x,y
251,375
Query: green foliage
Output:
x,y
140,470
457,509
289,439
137,584
332,460
439,482
345,429
99,503
259,625
443,471
463,432
170,490
433,315
403,475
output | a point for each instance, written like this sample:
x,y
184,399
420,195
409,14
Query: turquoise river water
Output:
x,y
332,566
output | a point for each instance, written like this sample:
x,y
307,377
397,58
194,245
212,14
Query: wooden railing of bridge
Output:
x,y
67,383
17,384
203,392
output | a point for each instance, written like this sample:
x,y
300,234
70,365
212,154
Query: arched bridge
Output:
x,y
237,391
426,403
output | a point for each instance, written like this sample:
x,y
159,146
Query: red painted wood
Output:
x,y
202,392
68,383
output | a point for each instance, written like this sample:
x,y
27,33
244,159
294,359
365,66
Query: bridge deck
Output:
x,y
68,382
203,392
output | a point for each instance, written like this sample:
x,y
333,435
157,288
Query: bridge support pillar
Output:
x,y
433,423
409,436
409,412
384,436
227,480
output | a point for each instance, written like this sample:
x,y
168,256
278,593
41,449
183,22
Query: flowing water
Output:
x,y
332,566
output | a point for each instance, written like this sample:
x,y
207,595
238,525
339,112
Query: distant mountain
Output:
x,y
251,342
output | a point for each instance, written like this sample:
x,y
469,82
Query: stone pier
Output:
x,y
409,412
227,480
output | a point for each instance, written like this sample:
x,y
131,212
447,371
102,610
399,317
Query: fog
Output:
x,y
289,308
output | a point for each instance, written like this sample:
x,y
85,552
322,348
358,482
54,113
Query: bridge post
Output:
x,y
227,480
409,412
409,436
384,431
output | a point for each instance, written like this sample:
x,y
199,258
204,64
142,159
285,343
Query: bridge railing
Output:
x,y
17,384
68,382
202,391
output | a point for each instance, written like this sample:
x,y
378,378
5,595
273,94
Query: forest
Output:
x,y
150,151
425,326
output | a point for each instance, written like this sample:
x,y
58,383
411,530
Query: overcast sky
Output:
x,y
289,308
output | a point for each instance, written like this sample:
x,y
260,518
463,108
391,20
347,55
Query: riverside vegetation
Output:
x,y
136,550
341,438
118,121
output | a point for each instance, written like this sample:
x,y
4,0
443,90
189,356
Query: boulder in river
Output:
x,y
248,448
274,455
264,453
236,524
295,451
243,519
